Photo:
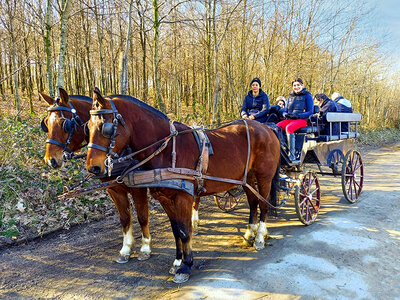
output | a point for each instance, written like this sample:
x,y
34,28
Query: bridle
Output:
x,y
109,131
69,126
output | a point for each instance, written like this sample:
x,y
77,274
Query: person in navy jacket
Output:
x,y
344,105
299,106
256,103
326,105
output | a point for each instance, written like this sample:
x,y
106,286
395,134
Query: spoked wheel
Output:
x,y
335,161
352,176
307,197
230,199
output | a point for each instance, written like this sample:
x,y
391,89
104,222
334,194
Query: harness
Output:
x,y
109,130
69,126
178,178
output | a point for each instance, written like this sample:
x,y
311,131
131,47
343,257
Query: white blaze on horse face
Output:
x,y
145,245
261,233
128,242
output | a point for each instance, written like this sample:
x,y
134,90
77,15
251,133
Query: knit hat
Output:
x,y
256,79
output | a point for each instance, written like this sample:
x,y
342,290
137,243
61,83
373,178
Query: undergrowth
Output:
x,y
29,188
379,137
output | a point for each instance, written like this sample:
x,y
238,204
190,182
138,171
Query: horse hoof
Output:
x,y
173,270
259,246
181,278
247,243
143,256
123,259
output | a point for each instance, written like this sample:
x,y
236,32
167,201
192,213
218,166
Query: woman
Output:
x,y
256,103
326,105
299,106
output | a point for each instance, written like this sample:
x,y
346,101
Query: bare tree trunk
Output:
x,y
124,63
100,36
143,45
63,40
47,47
158,101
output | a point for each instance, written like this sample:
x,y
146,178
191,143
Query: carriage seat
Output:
x,y
312,127
353,119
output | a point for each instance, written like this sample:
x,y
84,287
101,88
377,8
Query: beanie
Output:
x,y
256,79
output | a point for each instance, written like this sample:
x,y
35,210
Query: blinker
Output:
x,y
44,126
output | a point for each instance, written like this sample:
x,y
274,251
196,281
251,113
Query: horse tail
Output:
x,y
275,186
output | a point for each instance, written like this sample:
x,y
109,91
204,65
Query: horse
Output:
x,y
241,149
63,124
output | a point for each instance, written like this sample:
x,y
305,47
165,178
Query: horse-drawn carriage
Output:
x,y
330,154
163,156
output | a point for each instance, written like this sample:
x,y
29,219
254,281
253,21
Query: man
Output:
x,y
344,106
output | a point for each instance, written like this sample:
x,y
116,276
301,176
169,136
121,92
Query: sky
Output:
x,y
387,22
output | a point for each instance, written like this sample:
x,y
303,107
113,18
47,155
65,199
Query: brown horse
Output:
x,y
139,125
65,134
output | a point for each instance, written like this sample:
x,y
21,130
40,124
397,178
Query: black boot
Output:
x,y
292,148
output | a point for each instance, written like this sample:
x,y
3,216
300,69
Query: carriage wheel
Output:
x,y
352,176
307,197
230,199
335,161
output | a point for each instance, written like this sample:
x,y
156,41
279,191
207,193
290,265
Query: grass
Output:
x,y
379,137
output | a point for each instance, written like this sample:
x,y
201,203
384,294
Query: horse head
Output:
x,y
103,130
63,125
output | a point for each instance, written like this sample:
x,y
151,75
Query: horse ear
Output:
x,y
64,97
97,97
47,98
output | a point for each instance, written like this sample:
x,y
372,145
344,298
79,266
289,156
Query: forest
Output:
x,y
194,59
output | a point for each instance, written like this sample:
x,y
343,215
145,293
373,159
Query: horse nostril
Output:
x,y
95,170
53,163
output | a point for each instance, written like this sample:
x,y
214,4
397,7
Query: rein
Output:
x,y
196,174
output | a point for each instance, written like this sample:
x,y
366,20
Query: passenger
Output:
x,y
326,105
280,101
344,106
256,103
299,106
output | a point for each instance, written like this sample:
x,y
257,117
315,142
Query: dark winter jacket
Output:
x,y
328,106
344,105
300,104
256,106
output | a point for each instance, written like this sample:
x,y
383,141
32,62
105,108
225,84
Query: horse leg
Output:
x,y
178,206
264,186
195,215
121,201
249,236
139,196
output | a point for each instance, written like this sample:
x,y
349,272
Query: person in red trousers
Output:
x,y
299,106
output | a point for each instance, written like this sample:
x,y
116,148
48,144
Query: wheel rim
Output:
x,y
309,198
229,200
353,177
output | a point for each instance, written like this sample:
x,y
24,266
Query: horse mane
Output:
x,y
141,104
81,98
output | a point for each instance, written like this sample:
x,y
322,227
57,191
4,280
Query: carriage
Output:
x,y
175,176
331,155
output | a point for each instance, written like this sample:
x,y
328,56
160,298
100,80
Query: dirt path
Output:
x,y
351,252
